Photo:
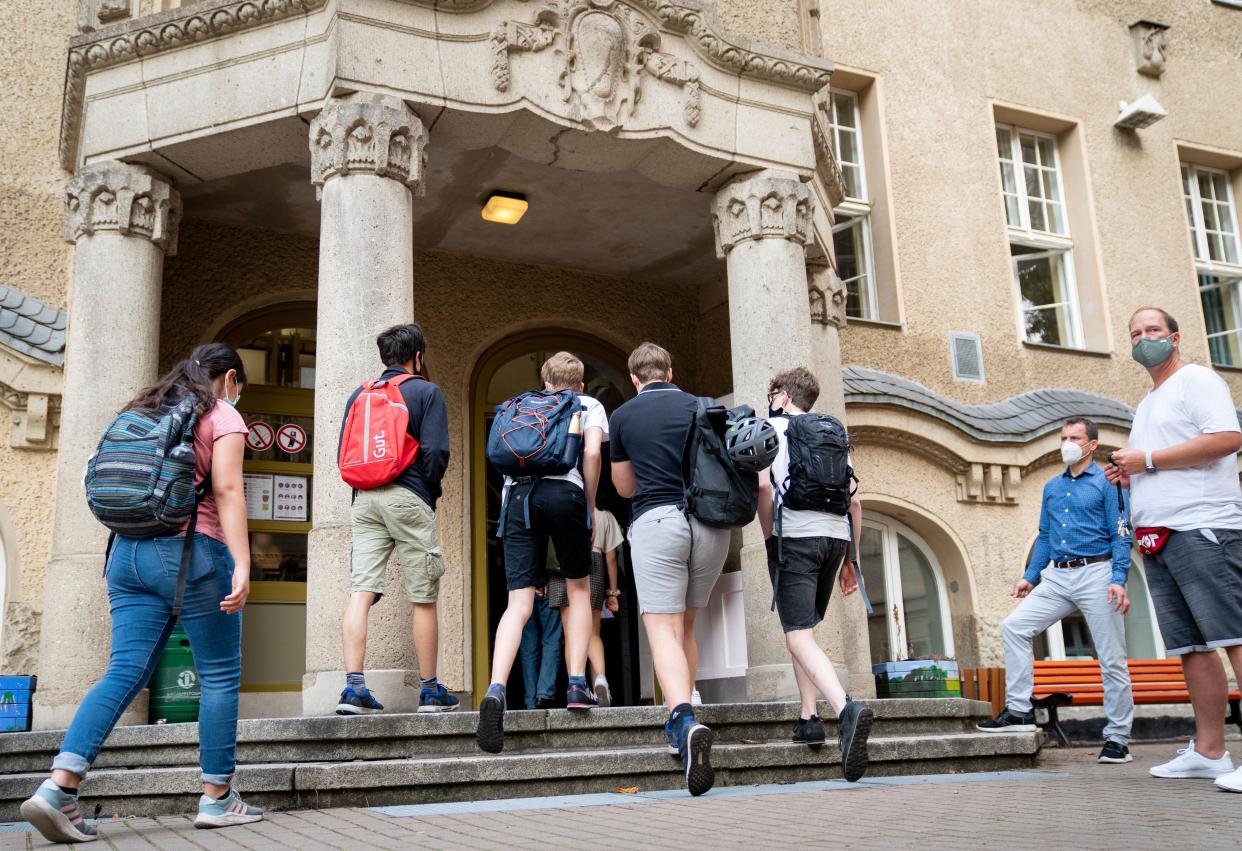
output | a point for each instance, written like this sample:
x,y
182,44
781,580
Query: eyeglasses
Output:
x,y
772,396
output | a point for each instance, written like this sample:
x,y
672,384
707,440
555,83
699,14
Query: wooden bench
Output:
x,y
1079,683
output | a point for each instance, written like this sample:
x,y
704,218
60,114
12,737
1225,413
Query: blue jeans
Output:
x,y
535,666
142,581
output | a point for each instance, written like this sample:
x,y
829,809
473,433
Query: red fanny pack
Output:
x,y
1151,539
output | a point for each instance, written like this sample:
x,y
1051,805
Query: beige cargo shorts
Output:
x,y
391,517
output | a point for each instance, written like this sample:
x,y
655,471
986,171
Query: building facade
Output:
x,y
931,205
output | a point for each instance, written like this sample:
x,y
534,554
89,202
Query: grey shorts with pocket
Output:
x,y
392,517
1196,586
677,560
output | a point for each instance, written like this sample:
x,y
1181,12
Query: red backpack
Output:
x,y
376,445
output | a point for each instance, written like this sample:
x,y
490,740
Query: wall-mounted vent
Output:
x,y
967,350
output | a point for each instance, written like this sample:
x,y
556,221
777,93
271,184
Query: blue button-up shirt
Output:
x,y
1078,518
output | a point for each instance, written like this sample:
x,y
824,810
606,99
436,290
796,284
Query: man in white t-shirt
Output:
x,y
1186,507
807,551
557,507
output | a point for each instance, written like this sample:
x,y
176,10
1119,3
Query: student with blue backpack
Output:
x,y
167,480
547,443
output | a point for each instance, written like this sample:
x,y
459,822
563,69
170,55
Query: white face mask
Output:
x,y
229,401
1071,453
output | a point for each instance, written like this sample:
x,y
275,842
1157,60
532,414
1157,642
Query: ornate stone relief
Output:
x,y
827,294
826,167
129,199
989,483
93,14
606,49
34,418
370,134
1151,40
761,206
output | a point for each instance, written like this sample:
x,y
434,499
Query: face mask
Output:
x,y
775,412
229,401
1152,353
1071,453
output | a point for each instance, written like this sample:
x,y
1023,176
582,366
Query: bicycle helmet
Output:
x,y
752,444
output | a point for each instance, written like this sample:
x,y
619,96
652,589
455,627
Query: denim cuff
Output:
x,y
72,763
218,779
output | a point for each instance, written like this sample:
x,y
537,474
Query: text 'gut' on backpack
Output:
x,y
717,492
820,475
376,445
536,434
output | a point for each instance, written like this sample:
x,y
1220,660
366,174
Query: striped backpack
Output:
x,y
140,481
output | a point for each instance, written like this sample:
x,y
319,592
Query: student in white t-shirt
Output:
x,y
1186,506
557,507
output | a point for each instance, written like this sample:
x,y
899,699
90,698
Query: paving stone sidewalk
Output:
x,y
1068,802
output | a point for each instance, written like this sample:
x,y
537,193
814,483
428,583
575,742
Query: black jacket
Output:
x,y
428,425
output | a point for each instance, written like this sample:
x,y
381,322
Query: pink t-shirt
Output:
x,y
222,419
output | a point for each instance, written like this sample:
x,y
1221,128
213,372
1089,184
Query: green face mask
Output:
x,y
1152,353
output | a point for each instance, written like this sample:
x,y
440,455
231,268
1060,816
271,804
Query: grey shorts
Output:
x,y
1196,587
677,560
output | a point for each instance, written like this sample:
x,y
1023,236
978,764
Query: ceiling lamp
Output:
x,y
505,207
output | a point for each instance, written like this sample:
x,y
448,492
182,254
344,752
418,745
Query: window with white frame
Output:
x,y
1213,221
907,591
851,235
1039,237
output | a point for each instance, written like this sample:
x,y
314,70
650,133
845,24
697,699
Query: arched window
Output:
x,y
907,591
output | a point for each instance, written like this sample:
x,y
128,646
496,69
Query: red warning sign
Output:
x,y
261,436
291,438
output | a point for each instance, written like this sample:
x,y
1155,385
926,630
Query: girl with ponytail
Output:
x,y
142,579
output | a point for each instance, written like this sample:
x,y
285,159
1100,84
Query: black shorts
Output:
x,y
558,510
1196,585
806,578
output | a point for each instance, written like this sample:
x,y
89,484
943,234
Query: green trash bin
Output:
x,y
174,685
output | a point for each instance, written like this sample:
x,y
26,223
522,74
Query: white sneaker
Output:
x,y
696,699
1190,763
603,694
1231,782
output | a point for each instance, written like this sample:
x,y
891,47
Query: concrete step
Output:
x,y
288,785
273,741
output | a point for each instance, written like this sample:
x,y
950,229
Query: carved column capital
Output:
x,y
128,199
368,134
764,205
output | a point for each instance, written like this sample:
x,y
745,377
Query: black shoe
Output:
x,y
545,703
1114,752
490,734
1009,722
810,731
696,753
855,727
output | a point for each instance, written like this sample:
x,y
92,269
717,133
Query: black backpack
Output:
x,y
717,493
820,475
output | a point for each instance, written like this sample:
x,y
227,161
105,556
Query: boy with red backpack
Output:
x,y
394,449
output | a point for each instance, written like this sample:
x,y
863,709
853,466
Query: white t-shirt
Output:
x,y
800,524
607,532
593,417
1192,402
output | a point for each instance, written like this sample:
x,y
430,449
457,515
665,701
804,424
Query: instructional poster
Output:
x,y
291,498
258,488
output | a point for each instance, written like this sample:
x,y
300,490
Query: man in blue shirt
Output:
x,y
1079,562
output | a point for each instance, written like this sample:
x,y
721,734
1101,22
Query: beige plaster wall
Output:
x,y
465,305
772,21
35,259
1065,58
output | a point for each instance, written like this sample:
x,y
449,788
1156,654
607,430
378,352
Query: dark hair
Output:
x,y
1093,430
192,377
1169,321
799,383
400,343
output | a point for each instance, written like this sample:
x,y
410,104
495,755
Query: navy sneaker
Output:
x,y
696,756
490,734
855,727
360,702
436,700
579,696
672,732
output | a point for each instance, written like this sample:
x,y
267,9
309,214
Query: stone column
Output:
x,y
763,223
123,219
368,154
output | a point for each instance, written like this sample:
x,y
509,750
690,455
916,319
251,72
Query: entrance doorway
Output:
x,y
510,368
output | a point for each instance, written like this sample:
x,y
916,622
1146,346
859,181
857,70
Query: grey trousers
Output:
x,y
1057,595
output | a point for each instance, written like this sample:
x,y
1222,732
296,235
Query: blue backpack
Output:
x,y
536,434
140,481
